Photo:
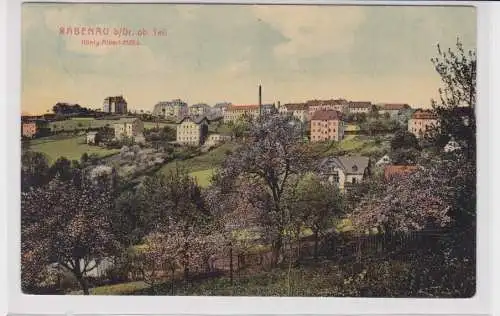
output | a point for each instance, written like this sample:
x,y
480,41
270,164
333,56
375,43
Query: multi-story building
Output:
x,y
297,110
393,109
220,109
269,109
128,127
421,122
199,109
360,107
29,129
175,109
235,112
115,104
327,125
192,130
340,105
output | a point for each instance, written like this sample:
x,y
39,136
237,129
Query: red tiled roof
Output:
x,y
326,115
313,102
392,171
424,115
394,106
247,107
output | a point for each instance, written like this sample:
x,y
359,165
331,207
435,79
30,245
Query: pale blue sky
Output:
x,y
221,52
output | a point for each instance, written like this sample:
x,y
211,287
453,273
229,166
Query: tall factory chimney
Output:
x,y
260,99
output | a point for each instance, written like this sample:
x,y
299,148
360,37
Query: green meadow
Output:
x,y
71,147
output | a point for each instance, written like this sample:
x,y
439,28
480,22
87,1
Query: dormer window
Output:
x,y
354,168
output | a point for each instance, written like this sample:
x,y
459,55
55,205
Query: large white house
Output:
x,y
192,130
345,170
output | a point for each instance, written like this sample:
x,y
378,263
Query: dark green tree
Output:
x,y
61,168
404,148
456,107
34,170
320,204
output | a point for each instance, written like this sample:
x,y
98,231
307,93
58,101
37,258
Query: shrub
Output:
x,y
117,274
68,282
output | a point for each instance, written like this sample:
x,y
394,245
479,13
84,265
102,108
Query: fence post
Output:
x,y
231,263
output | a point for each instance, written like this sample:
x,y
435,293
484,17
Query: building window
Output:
x,y
335,177
353,180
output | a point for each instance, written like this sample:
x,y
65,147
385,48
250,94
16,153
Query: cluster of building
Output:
x,y
326,118
177,109
132,128
345,171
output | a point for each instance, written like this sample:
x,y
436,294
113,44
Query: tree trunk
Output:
x,y
298,243
208,266
276,250
231,264
316,233
83,283
172,281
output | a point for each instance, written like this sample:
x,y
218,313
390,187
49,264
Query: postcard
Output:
x,y
248,150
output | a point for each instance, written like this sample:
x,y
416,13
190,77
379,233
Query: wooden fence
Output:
x,y
343,247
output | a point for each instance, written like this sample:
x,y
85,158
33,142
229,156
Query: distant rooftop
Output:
x,y
394,106
195,119
115,98
326,115
295,106
235,107
349,164
398,171
360,104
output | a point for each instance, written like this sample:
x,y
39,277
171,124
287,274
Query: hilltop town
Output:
x,y
361,127
328,197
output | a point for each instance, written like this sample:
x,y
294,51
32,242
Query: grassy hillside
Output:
x,y
83,123
204,162
69,147
79,124
149,125
374,147
203,177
